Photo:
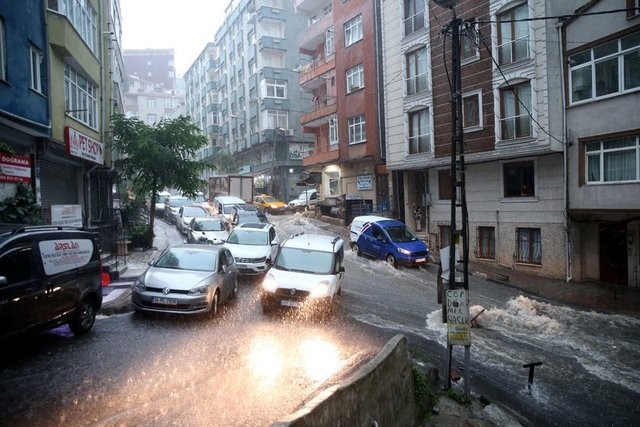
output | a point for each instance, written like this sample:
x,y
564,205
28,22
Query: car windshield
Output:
x,y
252,217
179,202
269,199
194,211
295,259
213,225
401,234
249,237
187,259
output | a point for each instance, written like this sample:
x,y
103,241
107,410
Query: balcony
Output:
x,y
314,37
323,154
272,43
213,86
320,116
316,70
310,5
266,12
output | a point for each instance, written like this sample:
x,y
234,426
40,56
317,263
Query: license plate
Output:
x,y
290,303
165,301
419,260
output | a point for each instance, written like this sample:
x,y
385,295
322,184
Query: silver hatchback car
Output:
x,y
187,279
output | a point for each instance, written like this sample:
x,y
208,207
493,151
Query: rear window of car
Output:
x,y
194,211
249,237
213,225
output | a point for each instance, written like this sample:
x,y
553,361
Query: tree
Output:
x,y
155,157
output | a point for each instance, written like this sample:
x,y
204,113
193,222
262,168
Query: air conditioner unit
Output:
x,y
288,132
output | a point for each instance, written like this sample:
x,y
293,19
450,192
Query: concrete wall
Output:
x,y
374,394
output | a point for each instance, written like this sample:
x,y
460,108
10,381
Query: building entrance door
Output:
x,y
613,254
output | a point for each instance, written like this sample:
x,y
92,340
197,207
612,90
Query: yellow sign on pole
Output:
x,y
458,325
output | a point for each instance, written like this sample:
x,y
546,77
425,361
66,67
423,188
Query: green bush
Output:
x,y
21,208
140,234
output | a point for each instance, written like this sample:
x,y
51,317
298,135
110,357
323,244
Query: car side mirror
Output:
x,y
341,269
3,281
150,262
268,261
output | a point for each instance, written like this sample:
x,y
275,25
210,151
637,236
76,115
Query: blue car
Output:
x,y
392,241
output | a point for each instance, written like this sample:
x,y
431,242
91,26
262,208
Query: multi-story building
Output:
x,y
151,103
152,65
24,86
64,77
339,71
602,57
512,120
202,98
260,100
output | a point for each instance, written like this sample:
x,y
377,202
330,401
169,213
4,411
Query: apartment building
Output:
x,y
512,120
153,65
62,67
150,103
601,54
202,98
339,70
260,100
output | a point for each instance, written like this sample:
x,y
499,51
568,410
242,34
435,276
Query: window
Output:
x,y
16,264
519,179
513,35
610,68
515,102
82,16
416,62
333,131
357,132
81,97
37,70
472,111
413,16
168,103
353,31
151,102
528,246
633,8
419,132
329,46
3,52
486,243
276,119
614,160
274,88
469,41
355,78
444,184
151,119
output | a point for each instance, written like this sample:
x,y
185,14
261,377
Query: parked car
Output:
x,y
308,271
224,204
187,279
174,203
49,276
390,240
269,204
241,214
305,201
209,230
253,246
186,213
161,200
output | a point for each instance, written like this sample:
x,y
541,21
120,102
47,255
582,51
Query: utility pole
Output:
x,y
457,296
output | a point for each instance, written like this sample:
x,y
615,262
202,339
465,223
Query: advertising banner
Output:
x,y
83,146
63,255
15,168
66,215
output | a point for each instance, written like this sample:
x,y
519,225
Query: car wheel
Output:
x,y
234,291
84,319
355,248
391,260
215,304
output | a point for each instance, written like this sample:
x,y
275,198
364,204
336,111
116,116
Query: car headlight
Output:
x,y
200,290
269,283
138,285
320,290
404,251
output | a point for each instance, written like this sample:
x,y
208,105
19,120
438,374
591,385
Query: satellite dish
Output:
x,y
446,3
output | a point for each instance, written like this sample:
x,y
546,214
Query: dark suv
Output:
x,y
48,276
241,214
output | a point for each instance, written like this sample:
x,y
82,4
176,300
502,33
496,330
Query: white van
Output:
x,y
223,205
306,198
358,222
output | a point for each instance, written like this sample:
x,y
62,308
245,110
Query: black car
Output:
x,y
242,214
48,276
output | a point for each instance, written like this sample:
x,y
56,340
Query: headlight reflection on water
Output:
x,y
315,358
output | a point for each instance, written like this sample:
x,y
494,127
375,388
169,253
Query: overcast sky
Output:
x,y
185,25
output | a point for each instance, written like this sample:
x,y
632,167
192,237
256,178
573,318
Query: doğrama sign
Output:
x,y
83,146
15,168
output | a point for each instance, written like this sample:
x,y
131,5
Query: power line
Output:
x,y
564,17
